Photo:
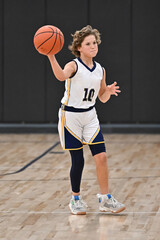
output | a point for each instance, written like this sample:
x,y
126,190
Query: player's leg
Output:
x,y
99,154
70,136
106,201
77,164
76,205
93,136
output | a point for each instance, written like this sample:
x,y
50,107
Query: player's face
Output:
x,y
89,47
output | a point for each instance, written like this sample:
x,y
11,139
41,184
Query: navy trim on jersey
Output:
x,y
90,69
103,70
72,109
75,71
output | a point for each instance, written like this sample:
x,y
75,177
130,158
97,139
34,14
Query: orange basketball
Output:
x,y
48,40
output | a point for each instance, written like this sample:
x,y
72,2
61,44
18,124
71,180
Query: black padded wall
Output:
x,y
24,92
112,19
146,61
1,60
129,52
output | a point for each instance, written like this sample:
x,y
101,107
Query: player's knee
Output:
x,y
77,159
101,159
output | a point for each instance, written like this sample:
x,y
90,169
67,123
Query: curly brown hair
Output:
x,y
79,36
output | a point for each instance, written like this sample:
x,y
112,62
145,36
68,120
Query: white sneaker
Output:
x,y
107,203
77,205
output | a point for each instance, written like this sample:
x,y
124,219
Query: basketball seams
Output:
x,y
52,29
42,33
45,40
53,43
60,33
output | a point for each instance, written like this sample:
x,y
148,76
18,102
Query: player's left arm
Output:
x,y
106,91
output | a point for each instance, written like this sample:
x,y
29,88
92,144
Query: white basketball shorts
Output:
x,y
79,128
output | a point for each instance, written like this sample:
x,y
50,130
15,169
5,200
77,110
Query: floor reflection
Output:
x,y
110,225
99,226
77,222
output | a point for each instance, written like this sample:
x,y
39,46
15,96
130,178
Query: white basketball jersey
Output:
x,y
82,89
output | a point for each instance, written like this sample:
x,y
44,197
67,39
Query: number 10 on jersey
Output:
x,y
88,94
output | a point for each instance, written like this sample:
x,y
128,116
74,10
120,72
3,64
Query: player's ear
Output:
x,y
78,49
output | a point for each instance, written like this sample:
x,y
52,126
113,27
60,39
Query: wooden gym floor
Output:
x,y
35,189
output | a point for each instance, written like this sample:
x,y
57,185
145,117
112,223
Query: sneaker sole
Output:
x,y
77,213
109,210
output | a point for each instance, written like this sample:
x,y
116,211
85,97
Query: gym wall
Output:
x,y
29,92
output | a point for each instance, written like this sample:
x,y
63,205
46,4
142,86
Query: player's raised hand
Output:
x,y
113,89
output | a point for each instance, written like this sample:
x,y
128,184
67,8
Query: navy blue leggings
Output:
x,y
76,169
78,164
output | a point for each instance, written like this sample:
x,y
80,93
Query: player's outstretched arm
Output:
x,y
106,91
62,74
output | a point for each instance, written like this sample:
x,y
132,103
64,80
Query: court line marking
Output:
x,y
23,141
33,161
67,179
68,212
87,167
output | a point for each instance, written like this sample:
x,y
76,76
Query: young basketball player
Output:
x,y
78,122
